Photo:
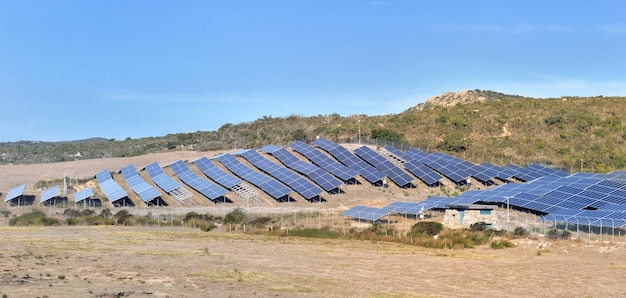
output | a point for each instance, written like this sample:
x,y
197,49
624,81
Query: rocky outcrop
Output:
x,y
449,99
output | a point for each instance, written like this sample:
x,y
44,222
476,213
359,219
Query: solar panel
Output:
x,y
397,175
111,189
162,180
423,172
449,170
302,186
272,187
15,192
323,161
145,191
368,172
216,174
201,185
83,194
319,176
49,194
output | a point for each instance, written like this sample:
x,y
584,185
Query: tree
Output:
x,y
453,142
382,134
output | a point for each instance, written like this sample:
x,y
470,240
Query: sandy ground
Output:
x,y
178,262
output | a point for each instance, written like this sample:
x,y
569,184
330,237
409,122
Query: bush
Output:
x,y
429,228
33,218
324,232
556,234
236,216
519,231
123,217
479,226
500,244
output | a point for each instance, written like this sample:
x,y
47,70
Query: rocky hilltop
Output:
x,y
449,99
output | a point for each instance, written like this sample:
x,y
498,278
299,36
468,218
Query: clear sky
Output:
x,y
115,69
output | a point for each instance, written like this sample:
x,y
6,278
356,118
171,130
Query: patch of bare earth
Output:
x,y
178,262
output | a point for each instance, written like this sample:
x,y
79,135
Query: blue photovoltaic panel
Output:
x,y
162,180
323,161
396,154
111,189
361,212
397,175
15,192
83,194
445,168
483,173
145,191
305,188
342,154
422,171
49,193
216,174
502,173
272,187
319,176
201,185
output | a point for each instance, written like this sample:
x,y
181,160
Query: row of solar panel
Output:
x,y
47,194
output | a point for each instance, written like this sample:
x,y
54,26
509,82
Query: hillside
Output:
x,y
475,125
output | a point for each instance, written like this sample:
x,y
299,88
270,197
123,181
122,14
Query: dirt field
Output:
x,y
177,262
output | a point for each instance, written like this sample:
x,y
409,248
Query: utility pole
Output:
x,y
581,165
359,131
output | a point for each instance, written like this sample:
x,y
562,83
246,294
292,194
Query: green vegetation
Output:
x,y
33,218
237,216
324,232
502,243
425,228
502,129
559,234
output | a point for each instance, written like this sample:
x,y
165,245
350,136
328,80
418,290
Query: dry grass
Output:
x,y
177,262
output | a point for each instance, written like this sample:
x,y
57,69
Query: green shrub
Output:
x,y
426,228
519,231
479,226
500,244
123,217
33,218
236,216
324,232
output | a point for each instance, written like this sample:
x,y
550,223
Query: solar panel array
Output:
x,y
145,191
216,174
342,154
201,185
319,176
83,194
302,186
111,189
533,171
397,175
162,180
269,185
423,172
323,161
15,192
49,193
560,197
408,208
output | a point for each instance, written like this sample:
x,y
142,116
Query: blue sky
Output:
x,y
78,69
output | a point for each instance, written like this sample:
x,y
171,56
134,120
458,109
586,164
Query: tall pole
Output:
x,y
581,165
508,209
359,131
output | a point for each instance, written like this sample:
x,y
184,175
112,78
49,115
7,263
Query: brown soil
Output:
x,y
178,262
